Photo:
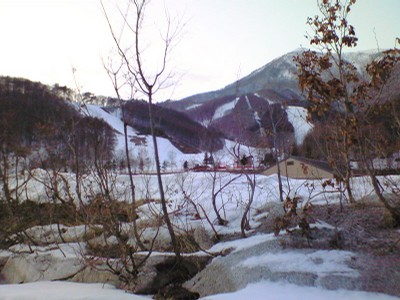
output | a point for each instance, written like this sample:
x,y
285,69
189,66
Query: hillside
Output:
x,y
39,125
186,134
54,124
247,119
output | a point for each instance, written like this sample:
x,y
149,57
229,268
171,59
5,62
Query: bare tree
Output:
x,y
324,87
142,80
276,119
334,87
217,187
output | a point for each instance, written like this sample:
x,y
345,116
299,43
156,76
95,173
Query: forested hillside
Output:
x,y
38,124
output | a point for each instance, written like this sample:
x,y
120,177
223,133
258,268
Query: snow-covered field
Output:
x,y
181,188
285,291
258,291
231,200
57,290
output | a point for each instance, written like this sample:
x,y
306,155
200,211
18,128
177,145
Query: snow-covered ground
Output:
x,y
322,262
286,291
198,186
56,290
256,291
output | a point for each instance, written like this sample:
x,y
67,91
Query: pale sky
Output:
x,y
42,40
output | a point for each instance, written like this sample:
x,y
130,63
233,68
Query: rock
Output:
x,y
54,233
4,256
103,241
202,238
274,209
269,261
267,215
147,274
161,238
98,274
53,265
23,268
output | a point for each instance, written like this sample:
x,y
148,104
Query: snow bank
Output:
x,y
63,291
285,291
322,262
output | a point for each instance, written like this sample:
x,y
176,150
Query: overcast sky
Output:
x,y
42,40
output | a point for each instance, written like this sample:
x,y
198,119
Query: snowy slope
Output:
x,y
298,117
224,109
167,151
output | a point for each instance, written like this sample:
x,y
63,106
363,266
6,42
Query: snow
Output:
x,y
248,103
51,233
61,250
361,59
224,109
287,74
270,101
241,244
257,118
168,153
321,262
193,106
285,291
298,117
57,290
115,122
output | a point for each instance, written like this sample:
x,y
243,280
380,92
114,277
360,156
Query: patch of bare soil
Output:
x,y
368,229
365,229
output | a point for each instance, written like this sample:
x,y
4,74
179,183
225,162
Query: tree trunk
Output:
x,y
132,186
280,186
394,212
167,220
347,178
244,224
220,220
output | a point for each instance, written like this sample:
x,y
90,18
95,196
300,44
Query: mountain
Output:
x,y
276,80
263,109
242,109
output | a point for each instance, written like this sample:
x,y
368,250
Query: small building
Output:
x,y
302,168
